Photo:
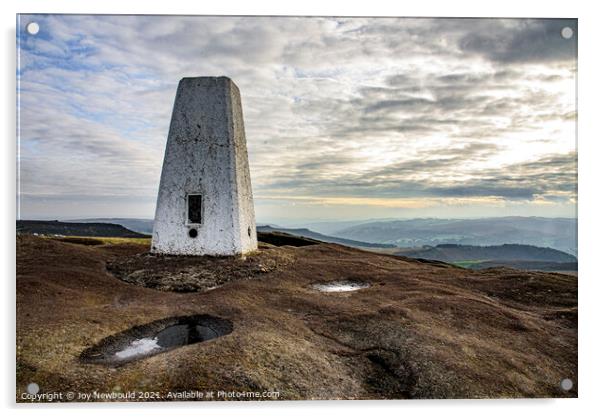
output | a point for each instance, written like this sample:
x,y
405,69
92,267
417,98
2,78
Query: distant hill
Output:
x,y
120,227
144,226
557,233
451,252
323,238
281,239
510,255
526,265
50,227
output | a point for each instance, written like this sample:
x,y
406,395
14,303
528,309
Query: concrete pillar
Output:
x,y
205,201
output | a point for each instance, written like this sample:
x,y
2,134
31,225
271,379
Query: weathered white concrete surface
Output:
x,y
206,154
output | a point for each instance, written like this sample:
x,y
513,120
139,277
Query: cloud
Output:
x,y
335,108
523,41
551,178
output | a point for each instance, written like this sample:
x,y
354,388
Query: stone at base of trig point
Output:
x,y
205,202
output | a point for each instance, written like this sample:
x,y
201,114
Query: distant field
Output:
x,y
468,263
559,267
275,238
92,241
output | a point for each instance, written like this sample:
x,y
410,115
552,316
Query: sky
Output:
x,y
345,118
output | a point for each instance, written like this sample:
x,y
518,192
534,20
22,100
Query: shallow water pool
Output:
x,y
156,337
340,286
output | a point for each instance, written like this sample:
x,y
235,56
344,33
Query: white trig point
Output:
x,y
205,202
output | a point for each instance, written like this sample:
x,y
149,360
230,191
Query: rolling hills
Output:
x,y
303,232
557,233
49,227
509,255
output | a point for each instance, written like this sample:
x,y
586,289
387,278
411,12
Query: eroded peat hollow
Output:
x,y
156,337
413,329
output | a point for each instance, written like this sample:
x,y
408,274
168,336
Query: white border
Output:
x,y
590,289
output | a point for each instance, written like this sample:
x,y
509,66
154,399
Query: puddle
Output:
x,y
138,347
154,338
340,286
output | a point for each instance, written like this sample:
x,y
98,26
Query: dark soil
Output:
x,y
195,273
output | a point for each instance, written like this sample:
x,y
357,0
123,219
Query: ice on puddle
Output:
x,y
340,286
139,347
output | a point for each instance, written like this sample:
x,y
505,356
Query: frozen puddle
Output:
x,y
156,337
138,347
340,286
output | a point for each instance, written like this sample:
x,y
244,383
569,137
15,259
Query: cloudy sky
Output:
x,y
346,118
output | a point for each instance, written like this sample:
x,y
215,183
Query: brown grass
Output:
x,y
420,330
